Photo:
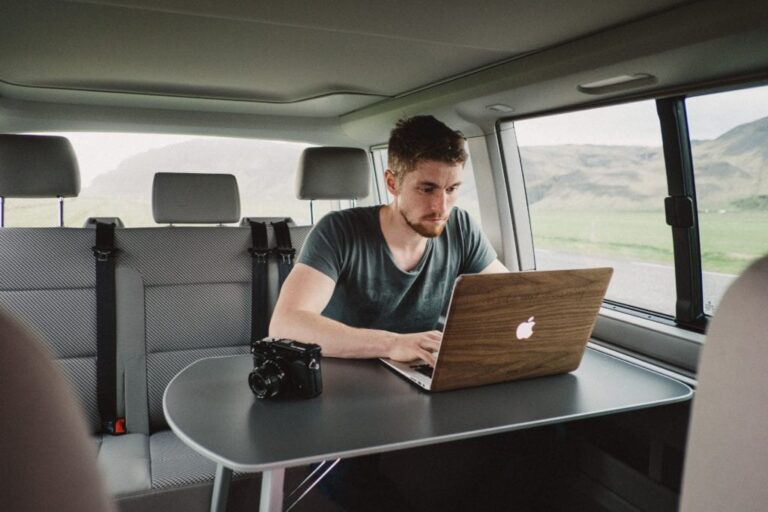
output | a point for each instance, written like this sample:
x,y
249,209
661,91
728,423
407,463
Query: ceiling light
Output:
x,y
500,107
618,83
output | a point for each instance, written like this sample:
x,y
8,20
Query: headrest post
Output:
x,y
2,212
312,212
61,211
354,203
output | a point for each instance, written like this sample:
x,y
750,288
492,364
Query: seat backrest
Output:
x,y
183,293
726,460
48,461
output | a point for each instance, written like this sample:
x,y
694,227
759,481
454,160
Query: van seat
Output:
x,y
48,282
726,458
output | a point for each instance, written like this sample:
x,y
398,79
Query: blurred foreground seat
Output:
x,y
726,466
48,458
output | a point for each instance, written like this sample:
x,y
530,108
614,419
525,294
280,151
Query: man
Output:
x,y
372,282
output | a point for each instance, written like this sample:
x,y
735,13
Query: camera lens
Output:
x,y
265,381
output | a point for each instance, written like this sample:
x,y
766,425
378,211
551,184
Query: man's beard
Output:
x,y
427,231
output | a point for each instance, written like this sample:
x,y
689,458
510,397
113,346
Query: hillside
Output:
x,y
730,172
256,163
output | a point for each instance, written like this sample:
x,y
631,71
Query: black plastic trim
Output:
x,y
682,214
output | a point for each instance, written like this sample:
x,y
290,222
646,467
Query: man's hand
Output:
x,y
419,345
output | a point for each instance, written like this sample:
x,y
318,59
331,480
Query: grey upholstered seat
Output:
x,y
184,293
48,461
48,280
726,466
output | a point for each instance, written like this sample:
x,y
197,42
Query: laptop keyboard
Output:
x,y
423,369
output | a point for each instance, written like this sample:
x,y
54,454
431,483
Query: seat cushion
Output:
x,y
124,462
175,464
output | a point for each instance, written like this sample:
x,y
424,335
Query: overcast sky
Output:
x,y
634,124
638,124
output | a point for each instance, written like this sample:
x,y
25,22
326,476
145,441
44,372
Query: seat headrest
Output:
x,y
185,198
333,173
38,166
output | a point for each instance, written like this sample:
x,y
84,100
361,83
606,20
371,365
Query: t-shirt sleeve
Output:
x,y
322,249
477,251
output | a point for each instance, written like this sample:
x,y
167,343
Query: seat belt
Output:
x,y
259,253
285,251
106,325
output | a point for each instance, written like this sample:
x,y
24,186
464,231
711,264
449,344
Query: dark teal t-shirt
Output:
x,y
371,290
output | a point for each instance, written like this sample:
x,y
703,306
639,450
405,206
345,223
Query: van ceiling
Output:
x,y
319,59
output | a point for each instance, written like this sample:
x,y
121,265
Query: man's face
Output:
x,y
426,195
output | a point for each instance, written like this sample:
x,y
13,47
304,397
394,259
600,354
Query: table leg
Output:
x,y
221,489
272,490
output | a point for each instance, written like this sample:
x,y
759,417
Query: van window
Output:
x,y
117,170
729,145
596,182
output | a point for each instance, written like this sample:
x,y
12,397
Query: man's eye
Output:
x,y
451,190
427,190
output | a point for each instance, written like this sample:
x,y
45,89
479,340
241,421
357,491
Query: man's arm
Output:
x,y
303,297
496,267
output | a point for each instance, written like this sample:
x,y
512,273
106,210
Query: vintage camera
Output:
x,y
285,369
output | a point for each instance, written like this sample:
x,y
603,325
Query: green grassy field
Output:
x,y
729,241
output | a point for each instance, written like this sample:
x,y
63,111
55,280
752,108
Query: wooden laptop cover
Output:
x,y
480,345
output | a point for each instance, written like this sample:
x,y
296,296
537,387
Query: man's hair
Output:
x,y
421,138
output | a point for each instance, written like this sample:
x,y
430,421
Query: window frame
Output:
x,y
680,205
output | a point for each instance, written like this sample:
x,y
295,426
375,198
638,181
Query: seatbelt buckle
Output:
x,y
286,255
102,254
115,428
260,255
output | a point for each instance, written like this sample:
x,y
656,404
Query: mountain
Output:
x,y
730,172
256,163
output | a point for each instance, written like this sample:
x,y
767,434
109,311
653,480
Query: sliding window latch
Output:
x,y
679,211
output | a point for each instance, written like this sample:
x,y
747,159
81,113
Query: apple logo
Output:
x,y
525,329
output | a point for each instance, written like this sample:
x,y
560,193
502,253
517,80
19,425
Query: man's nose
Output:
x,y
440,201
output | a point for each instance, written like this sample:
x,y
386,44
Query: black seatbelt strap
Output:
x,y
285,251
106,325
259,254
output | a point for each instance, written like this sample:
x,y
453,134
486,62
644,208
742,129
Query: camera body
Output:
x,y
285,369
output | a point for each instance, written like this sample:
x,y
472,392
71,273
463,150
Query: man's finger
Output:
x,y
427,357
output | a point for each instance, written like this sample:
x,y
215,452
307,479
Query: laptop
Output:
x,y
510,326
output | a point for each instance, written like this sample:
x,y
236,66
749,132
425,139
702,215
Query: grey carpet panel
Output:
x,y
162,367
65,319
187,317
34,258
183,255
81,373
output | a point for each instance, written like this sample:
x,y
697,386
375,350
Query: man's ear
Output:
x,y
391,181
